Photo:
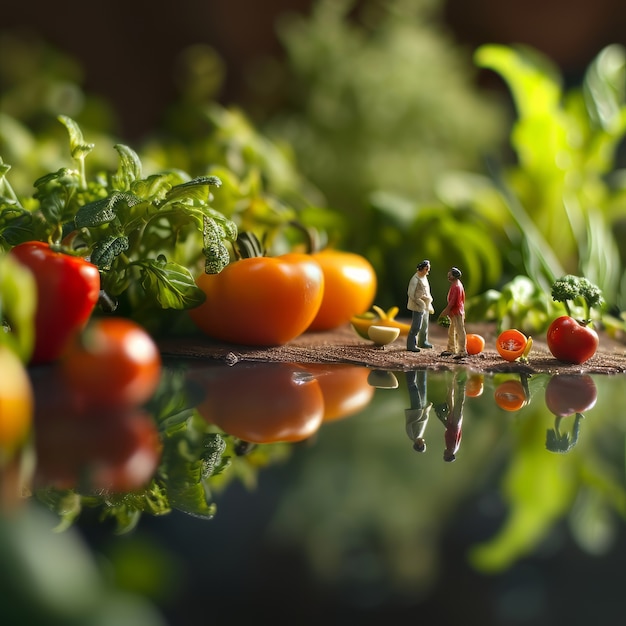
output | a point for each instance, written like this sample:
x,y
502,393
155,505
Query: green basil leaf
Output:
x,y
79,148
103,210
106,250
170,284
129,169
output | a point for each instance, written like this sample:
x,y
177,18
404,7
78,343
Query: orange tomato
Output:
x,y
114,362
510,395
260,301
16,403
475,385
511,344
262,403
349,288
345,388
474,343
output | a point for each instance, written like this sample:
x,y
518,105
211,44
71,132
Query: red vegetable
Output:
x,y
567,394
113,362
67,292
571,342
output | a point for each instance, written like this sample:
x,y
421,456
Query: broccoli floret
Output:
x,y
575,290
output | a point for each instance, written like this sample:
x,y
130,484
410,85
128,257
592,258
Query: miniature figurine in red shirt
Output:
x,y
455,311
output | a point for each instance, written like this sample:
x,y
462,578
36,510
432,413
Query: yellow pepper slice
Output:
x,y
378,317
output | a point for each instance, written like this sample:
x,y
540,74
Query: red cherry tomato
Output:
x,y
67,292
511,344
571,342
260,301
349,288
510,395
266,403
114,362
345,388
474,344
567,394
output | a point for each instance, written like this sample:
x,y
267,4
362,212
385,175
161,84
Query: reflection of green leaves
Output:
x,y
538,487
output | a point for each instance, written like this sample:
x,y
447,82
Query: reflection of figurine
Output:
x,y
418,413
420,305
455,311
451,416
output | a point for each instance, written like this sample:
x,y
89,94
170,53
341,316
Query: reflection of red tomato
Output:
x,y
114,452
567,394
510,395
349,288
262,403
571,342
344,387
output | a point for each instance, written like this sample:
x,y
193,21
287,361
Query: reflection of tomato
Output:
x,y
89,449
114,362
571,342
567,394
345,388
510,395
16,403
349,288
260,301
474,344
67,292
474,386
262,403
511,344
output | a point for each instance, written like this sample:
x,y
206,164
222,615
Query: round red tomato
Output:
x,y
114,362
567,394
571,342
262,403
345,388
16,403
260,301
349,288
68,288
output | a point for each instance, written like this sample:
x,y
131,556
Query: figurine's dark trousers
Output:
x,y
418,333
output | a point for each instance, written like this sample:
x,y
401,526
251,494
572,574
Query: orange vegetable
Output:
x,y
349,288
260,301
513,344
474,343
510,395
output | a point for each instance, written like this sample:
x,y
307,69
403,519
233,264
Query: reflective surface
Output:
x,y
320,492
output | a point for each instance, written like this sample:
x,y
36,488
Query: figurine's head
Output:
x,y
449,456
419,445
423,268
456,272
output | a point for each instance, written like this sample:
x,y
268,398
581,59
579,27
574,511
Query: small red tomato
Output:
x,y
510,395
260,301
571,342
474,344
349,288
267,403
511,344
113,362
567,394
67,292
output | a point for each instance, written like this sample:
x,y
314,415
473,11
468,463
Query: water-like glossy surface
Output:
x,y
352,522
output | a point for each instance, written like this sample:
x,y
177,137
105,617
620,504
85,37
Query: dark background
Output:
x,y
128,50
